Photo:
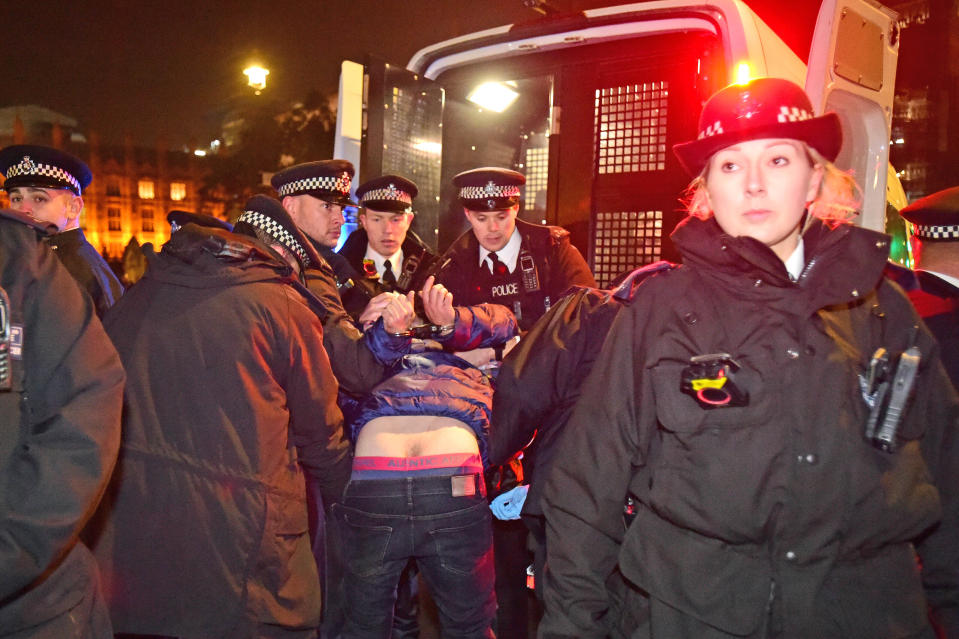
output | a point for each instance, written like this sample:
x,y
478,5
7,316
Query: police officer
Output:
x,y
47,184
314,194
527,268
933,286
503,260
391,257
384,249
61,391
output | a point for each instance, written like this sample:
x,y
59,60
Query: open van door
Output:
x,y
389,120
852,71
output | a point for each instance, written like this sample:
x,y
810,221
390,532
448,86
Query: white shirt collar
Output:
x,y
507,255
396,261
796,262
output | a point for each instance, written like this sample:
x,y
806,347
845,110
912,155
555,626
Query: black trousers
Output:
x,y
511,558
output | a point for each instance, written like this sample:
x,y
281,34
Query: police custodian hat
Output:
x,y
265,218
936,216
43,167
489,188
387,193
327,180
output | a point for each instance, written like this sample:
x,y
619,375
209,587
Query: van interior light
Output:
x,y
495,96
743,73
434,148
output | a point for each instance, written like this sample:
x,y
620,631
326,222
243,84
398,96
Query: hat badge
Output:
x,y
27,165
392,189
490,188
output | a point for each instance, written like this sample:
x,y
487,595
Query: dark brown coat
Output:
x,y
230,399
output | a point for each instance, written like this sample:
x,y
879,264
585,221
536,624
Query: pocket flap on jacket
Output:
x,y
702,577
680,413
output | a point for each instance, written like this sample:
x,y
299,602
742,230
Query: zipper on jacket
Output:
x,y
769,608
806,269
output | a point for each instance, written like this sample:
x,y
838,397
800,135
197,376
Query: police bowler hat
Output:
x,y
760,108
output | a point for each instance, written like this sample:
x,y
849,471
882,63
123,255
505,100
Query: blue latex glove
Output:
x,y
509,504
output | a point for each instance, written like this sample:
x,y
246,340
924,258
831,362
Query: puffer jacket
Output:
x,y
771,519
436,382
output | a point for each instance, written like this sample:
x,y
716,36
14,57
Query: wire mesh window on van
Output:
x,y
625,240
630,127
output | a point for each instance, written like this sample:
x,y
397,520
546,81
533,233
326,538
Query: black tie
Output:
x,y
388,277
498,267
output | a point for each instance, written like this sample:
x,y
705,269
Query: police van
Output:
x,y
588,107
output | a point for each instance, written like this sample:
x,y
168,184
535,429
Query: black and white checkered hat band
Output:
x,y
339,184
488,191
793,114
275,230
950,232
388,194
26,166
786,114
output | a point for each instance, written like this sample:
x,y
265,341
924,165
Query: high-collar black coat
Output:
x,y
774,518
59,435
88,268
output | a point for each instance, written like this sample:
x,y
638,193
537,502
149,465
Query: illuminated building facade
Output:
x,y
133,187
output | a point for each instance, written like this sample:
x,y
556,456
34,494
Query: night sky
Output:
x,y
173,68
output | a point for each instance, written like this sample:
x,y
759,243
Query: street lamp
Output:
x,y
256,77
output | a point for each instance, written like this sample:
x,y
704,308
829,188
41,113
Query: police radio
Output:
x,y
887,391
711,381
6,378
410,264
528,269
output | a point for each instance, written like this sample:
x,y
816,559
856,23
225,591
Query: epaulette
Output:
x,y
42,228
627,288
558,233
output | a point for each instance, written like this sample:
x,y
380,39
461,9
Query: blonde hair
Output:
x,y
837,201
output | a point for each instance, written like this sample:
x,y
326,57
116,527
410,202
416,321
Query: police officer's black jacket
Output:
x,y
558,263
771,519
88,268
59,435
417,258
541,378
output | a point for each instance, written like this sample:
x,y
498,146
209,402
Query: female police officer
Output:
x,y
733,402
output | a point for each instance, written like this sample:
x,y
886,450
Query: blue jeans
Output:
x,y
385,522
